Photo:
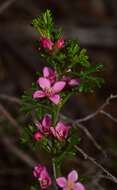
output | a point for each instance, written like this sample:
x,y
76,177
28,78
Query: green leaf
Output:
x,y
72,48
44,24
83,58
34,188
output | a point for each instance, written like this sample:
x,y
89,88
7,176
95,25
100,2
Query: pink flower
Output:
x,y
42,175
71,81
46,43
70,183
45,124
44,179
60,43
38,169
48,90
60,131
37,136
49,74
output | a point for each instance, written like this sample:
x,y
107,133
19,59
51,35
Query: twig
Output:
x,y
9,117
89,135
19,153
5,5
109,116
91,159
85,130
10,98
111,97
54,173
11,171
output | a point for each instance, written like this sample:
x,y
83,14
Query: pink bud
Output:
x,y
60,43
44,179
46,43
37,136
71,81
37,170
40,172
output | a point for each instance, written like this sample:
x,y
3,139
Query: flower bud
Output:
x,y
46,43
37,136
60,43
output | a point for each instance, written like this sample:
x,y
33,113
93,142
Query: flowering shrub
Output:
x,y
68,72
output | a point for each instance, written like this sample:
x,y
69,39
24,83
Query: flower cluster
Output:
x,y
40,172
60,131
49,44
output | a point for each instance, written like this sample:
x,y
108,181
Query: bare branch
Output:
x,y
91,159
10,98
89,135
54,173
19,153
107,101
109,116
9,117
85,130
5,5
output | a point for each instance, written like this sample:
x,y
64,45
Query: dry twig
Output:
x,y
85,130
10,99
99,110
9,117
5,5
91,159
19,153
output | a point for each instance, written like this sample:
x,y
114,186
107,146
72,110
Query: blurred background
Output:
x,y
94,24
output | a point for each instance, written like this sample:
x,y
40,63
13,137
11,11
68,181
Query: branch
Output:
x,y
89,135
85,130
10,99
19,153
9,117
5,5
91,159
54,173
107,101
109,116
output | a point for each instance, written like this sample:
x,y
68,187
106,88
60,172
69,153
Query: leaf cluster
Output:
x,y
44,24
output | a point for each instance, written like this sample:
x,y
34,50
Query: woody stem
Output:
x,y
54,173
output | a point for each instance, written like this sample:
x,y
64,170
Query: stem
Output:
x,y
54,173
54,167
56,114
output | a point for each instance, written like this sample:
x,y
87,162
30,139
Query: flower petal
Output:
x,y
58,86
44,83
53,131
39,125
73,176
60,125
55,99
74,82
65,188
38,94
61,181
79,186
46,122
46,71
